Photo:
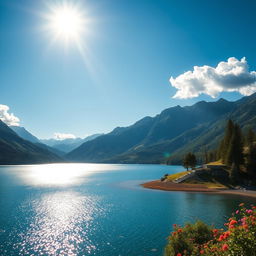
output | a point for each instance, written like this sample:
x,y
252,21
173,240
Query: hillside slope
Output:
x,y
15,150
173,132
26,135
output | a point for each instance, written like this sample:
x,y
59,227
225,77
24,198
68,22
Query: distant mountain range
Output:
x,y
16,150
26,135
68,145
160,139
59,147
169,135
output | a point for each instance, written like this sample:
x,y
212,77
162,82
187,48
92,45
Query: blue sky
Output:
x,y
133,49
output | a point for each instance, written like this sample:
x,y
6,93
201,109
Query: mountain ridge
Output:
x,y
16,150
171,132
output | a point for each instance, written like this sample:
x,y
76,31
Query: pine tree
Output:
x,y
250,137
224,145
235,149
186,161
189,161
220,150
250,161
234,174
205,158
193,161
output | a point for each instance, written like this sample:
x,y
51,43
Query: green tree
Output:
x,y
235,149
250,161
193,161
185,162
212,156
189,160
224,145
205,155
250,137
234,174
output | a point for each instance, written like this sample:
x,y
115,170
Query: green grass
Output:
x,y
175,176
215,163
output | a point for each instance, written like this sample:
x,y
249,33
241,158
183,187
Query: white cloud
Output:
x,y
229,76
63,136
8,118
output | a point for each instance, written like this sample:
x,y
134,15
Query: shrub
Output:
x,y
188,239
237,239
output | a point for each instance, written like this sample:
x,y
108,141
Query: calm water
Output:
x,y
96,209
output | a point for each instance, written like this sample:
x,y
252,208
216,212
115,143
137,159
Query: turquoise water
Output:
x,y
96,209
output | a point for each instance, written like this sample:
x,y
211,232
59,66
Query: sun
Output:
x,y
69,25
66,22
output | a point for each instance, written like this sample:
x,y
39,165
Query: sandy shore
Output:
x,y
170,186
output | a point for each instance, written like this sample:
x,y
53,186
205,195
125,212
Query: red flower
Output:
x,y
179,230
232,222
221,238
202,252
179,254
224,247
226,234
245,226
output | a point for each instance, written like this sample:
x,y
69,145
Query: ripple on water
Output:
x,y
60,224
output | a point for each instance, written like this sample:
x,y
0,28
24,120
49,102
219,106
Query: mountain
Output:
x,y
26,135
172,133
16,150
114,143
23,133
68,145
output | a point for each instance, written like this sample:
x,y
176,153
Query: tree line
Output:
x,y
237,150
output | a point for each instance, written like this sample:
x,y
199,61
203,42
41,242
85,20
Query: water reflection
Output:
x,y
61,222
59,174
44,212
51,175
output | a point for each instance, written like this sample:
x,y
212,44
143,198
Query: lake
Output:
x,y
97,209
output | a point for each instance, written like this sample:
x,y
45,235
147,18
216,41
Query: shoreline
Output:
x,y
171,186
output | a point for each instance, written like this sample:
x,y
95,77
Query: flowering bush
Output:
x,y
237,239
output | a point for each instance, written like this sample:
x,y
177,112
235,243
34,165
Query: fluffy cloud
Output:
x,y
63,136
8,118
229,76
